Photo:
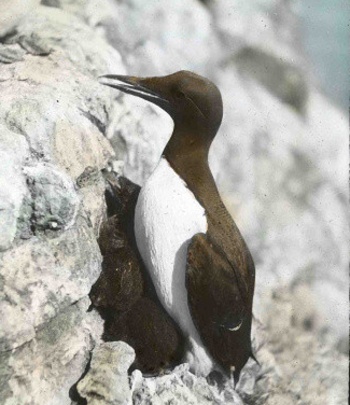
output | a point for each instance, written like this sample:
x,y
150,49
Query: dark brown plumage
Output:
x,y
151,332
124,295
217,305
220,274
220,270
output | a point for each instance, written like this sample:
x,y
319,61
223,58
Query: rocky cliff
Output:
x,y
279,161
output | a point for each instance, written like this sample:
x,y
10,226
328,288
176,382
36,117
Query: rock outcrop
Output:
x,y
279,161
107,381
52,119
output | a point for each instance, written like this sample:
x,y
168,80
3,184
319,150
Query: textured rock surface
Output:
x,y
180,387
43,369
279,161
107,380
52,119
12,12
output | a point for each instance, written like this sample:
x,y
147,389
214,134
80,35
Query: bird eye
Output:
x,y
179,94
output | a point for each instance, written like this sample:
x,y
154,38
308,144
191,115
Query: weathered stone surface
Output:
x,y
92,193
155,45
43,369
139,133
181,387
55,202
282,79
107,380
42,276
13,153
311,370
268,25
12,12
53,117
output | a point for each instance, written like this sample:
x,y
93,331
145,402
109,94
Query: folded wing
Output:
x,y
220,303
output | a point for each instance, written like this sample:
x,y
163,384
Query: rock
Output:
x,y
270,26
107,380
52,121
11,54
160,48
180,387
310,368
92,192
282,79
138,134
42,276
13,153
43,369
55,202
12,12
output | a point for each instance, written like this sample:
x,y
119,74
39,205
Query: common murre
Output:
x,y
200,265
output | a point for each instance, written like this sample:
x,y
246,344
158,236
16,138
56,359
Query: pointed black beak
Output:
x,y
133,85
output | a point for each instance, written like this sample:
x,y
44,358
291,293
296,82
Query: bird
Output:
x,y
200,265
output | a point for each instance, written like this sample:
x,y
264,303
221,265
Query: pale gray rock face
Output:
x,y
162,48
181,387
55,202
43,275
13,153
53,117
267,25
154,37
309,370
107,380
139,134
44,369
12,12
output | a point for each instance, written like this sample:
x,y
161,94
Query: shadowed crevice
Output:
x,y
124,295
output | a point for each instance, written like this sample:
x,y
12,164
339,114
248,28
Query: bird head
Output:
x,y
191,100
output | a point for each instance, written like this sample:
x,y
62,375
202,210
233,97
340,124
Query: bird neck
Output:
x,y
187,153
188,143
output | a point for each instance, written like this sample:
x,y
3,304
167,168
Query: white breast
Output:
x,y
167,217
